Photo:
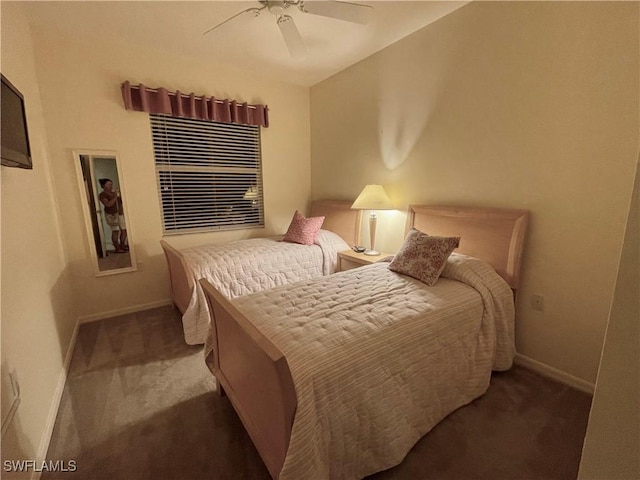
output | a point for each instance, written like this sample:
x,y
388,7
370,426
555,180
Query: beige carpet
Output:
x,y
140,404
114,261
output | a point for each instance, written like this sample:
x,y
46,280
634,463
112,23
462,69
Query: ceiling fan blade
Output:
x,y
291,36
350,12
256,11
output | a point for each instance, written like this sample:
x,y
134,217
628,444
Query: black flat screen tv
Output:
x,y
14,135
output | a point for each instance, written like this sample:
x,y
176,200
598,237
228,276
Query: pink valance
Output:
x,y
177,104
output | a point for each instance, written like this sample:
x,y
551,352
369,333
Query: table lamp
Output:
x,y
252,194
372,197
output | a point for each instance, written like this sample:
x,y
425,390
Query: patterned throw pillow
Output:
x,y
423,257
303,230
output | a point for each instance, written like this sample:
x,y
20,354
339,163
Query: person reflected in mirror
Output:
x,y
114,213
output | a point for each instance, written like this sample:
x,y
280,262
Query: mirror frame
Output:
x,y
87,214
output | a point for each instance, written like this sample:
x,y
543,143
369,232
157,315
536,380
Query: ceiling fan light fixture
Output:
x,y
349,12
276,7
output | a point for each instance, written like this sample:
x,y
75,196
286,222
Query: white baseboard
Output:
x,y
555,374
55,404
123,311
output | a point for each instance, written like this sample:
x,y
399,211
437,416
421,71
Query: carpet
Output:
x,y
140,404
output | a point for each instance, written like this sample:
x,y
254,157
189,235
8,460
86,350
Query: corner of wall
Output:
x,y
39,321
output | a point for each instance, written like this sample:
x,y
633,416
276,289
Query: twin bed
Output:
x,y
249,266
338,376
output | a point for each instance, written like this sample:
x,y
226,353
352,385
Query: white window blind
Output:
x,y
209,174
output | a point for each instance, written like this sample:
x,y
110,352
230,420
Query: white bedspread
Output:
x,y
247,266
378,359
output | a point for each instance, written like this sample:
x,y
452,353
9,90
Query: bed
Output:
x,y
247,266
338,377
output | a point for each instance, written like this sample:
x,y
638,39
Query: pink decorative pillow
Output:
x,y
423,257
303,230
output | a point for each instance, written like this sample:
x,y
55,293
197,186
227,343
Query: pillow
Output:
x,y
423,257
303,230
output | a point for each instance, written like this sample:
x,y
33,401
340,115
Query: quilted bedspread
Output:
x,y
247,266
378,359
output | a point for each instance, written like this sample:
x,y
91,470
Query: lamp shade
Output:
x,y
373,197
251,194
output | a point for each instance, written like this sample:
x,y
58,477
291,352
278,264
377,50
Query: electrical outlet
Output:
x,y
140,266
537,302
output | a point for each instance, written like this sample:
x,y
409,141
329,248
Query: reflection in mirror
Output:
x,y
104,211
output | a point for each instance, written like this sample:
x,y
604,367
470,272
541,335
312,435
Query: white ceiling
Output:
x,y
252,43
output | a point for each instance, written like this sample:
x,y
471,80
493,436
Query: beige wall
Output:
x,y
510,104
37,313
80,82
612,444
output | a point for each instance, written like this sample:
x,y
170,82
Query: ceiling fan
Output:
x,y
350,12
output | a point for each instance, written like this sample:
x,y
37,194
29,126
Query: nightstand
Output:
x,y
349,259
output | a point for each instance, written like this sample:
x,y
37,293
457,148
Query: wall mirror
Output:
x,y
105,211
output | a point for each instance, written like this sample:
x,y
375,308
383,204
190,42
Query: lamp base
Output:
x,y
372,253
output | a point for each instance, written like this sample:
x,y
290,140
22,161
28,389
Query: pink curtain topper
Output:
x,y
177,104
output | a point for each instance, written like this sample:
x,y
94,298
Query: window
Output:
x,y
209,174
